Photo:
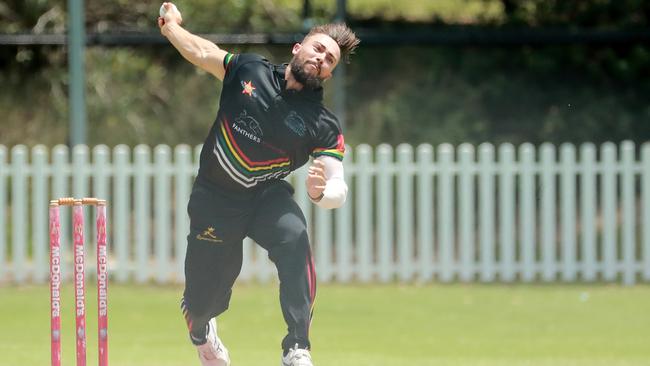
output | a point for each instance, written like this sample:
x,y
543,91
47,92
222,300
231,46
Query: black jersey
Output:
x,y
264,131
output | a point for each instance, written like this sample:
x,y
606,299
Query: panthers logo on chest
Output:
x,y
248,126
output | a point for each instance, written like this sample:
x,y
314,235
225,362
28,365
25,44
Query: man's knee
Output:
x,y
294,242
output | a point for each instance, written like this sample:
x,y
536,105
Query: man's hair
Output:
x,y
341,34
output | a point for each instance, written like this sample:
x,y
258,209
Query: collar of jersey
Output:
x,y
315,95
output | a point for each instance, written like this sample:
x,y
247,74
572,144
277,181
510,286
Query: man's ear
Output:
x,y
296,48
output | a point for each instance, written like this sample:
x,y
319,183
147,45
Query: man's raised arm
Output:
x,y
199,51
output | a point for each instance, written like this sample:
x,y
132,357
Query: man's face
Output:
x,y
314,60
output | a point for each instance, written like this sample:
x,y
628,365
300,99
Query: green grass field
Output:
x,y
477,325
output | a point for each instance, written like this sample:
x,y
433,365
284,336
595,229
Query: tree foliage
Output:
x,y
584,13
395,94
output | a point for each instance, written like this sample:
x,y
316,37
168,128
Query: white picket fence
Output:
x,y
471,214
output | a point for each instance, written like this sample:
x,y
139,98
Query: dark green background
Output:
x,y
149,94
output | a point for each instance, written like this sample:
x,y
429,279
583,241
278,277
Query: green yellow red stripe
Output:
x,y
338,152
227,59
243,160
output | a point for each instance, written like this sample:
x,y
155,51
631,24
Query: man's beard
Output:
x,y
307,80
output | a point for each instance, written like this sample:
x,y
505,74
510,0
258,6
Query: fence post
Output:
x,y
142,209
507,211
588,210
645,189
364,193
405,225
162,228
466,173
384,211
486,211
120,206
39,213
628,219
549,212
608,209
446,238
183,180
343,217
18,213
568,211
80,158
527,211
425,220
102,171
5,170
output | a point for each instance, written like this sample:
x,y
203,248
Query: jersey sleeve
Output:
x,y
329,139
233,61
228,61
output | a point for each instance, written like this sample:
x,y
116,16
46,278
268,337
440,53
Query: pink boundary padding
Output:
x,y
79,282
102,286
55,285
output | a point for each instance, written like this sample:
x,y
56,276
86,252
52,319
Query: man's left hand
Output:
x,y
316,180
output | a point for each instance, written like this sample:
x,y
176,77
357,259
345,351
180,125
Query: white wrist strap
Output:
x,y
336,189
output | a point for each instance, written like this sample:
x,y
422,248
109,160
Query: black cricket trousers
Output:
x,y
219,222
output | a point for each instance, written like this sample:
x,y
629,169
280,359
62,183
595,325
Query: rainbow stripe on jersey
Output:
x,y
241,168
338,152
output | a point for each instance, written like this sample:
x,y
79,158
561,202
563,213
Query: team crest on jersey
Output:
x,y
248,126
295,123
249,89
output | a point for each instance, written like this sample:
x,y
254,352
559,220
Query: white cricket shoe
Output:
x,y
213,352
297,357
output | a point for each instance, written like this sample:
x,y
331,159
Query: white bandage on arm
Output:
x,y
336,190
